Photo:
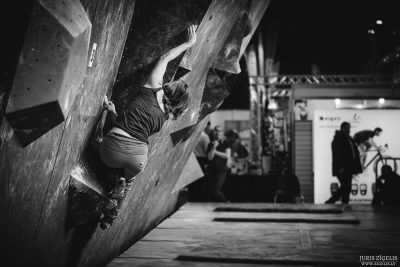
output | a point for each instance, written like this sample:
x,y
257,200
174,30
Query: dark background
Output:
x,y
333,35
297,33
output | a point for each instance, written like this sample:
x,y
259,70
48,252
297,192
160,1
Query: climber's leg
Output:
x,y
126,153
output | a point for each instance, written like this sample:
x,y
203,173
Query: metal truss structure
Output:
x,y
321,80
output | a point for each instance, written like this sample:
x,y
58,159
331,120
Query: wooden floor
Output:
x,y
245,235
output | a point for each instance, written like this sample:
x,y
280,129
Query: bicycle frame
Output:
x,y
378,154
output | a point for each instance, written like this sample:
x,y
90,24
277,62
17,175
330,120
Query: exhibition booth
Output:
x,y
311,129
326,122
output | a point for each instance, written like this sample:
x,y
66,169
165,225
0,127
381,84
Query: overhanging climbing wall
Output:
x,y
34,179
34,182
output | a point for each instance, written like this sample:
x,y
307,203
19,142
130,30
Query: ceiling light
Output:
x,y
379,22
272,105
359,106
371,31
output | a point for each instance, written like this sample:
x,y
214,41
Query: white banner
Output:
x,y
325,123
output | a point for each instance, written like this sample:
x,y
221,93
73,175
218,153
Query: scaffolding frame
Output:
x,y
336,80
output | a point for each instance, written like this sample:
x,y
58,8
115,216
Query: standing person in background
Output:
x,y
219,153
365,140
238,149
200,151
239,155
345,163
196,189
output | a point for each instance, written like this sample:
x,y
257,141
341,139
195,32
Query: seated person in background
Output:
x,y
387,188
288,187
365,140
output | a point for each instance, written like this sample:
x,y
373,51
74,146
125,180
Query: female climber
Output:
x,y
126,145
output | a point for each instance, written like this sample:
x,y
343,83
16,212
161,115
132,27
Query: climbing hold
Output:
x,y
46,81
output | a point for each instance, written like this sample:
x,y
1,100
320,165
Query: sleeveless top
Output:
x,y
142,115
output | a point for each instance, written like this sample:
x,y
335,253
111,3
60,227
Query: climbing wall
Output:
x,y
51,68
36,181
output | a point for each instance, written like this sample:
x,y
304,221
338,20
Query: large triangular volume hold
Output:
x,y
51,68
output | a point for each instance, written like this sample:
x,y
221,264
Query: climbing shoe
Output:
x,y
106,222
110,213
119,191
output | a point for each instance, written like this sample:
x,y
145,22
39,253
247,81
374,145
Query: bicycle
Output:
x,y
377,157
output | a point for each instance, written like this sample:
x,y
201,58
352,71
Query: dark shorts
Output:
x,y
122,152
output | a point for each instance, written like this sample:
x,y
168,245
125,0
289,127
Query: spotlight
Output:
x,y
338,101
381,101
359,106
379,22
272,105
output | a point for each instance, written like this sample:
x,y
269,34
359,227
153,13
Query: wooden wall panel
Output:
x,y
51,68
111,23
190,173
257,10
213,31
25,174
215,91
162,24
34,180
